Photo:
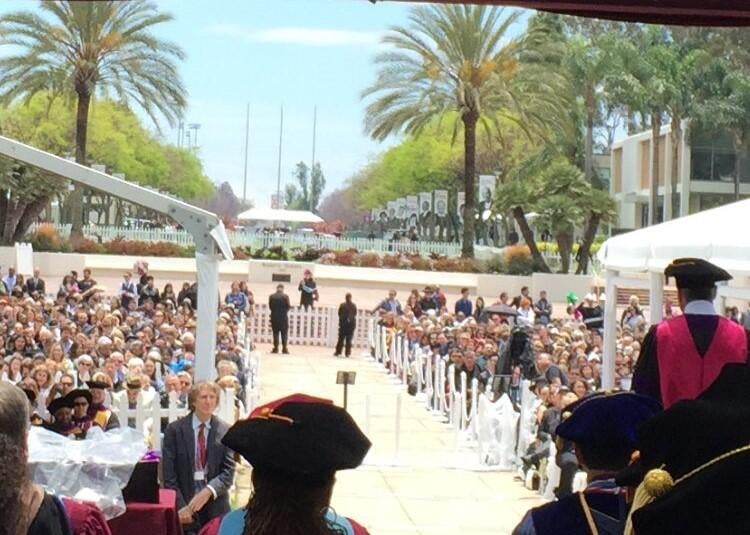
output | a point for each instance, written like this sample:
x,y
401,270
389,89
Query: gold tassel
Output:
x,y
656,483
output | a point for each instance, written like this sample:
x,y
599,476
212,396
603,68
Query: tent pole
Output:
x,y
610,331
656,297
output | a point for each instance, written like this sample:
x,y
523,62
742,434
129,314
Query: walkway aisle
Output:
x,y
416,493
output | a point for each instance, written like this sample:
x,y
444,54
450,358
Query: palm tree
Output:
x,y
459,62
79,48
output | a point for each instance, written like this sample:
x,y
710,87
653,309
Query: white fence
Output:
x,y
312,327
489,428
258,241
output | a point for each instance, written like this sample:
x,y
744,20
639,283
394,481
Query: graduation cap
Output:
x,y
695,273
607,420
299,437
98,384
60,403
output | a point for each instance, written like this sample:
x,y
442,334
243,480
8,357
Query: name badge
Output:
x,y
199,475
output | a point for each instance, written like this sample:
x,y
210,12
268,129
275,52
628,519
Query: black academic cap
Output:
x,y
59,403
299,436
695,273
604,419
103,385
79,393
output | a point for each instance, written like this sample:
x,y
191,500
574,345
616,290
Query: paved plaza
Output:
x,y
416,491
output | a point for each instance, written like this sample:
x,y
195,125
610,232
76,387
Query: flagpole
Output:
x,y
247,140
278,173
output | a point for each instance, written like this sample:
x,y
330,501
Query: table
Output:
x,y
149,518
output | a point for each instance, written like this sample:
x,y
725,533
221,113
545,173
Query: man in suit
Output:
x,y
347,326
279,304
196,464
35,285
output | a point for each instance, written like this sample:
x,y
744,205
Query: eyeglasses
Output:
x,y
66,384
84,364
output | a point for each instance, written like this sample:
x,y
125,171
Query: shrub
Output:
x,y
392,261
345,258
309,254
368,260
46,238
494,264
239,253
86,246
328,259
518,260
421,263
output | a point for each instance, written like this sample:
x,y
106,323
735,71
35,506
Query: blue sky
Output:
x,y
299,53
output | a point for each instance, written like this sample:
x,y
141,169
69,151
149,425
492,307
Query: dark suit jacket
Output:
x,y
31,287
279,305
178,463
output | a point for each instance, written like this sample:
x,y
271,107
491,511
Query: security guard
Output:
x,y
683,355
295,446
696,459
603,430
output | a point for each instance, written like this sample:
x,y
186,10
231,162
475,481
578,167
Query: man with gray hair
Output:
x,y
196,464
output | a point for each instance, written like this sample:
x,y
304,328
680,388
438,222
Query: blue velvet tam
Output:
x,y
604,419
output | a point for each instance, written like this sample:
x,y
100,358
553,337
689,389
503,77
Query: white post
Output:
x,y
208,294
398,425
610,332
156,424
656,296
367,414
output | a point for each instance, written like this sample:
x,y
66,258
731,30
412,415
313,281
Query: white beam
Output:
x,y
205,339
610,331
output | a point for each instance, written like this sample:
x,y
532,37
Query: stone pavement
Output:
x,y
418,491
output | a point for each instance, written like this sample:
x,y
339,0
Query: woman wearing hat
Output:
x,y
98,412
308,290
82,422
295,445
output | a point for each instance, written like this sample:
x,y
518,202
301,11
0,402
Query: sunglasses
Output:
x,y
80,404
66,384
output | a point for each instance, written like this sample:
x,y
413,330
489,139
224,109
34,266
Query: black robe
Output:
x,y
646,373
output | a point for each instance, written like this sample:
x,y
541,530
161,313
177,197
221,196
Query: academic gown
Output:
x,y
646,373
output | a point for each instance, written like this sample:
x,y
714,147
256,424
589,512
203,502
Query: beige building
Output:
x,y
706,166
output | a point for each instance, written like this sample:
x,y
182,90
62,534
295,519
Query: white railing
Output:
x,y
487,427
259,241
312,327
148,413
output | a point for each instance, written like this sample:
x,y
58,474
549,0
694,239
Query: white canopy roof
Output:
x,y
718,235
272,214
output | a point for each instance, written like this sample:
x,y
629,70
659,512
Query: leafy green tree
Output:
x,y
459,60
311,186
600,209
79,48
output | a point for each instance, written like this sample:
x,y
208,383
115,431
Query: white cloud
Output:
x,y
297,36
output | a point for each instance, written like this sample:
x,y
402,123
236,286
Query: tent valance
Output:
x,y
682,12
272,214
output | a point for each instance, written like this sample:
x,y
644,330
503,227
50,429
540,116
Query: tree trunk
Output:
x,y
589,145
584,252
30,213
528,236
676,139
75,199
654,194
564,246
470,141
739,147
632,123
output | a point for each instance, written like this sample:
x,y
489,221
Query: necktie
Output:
x,y
201,460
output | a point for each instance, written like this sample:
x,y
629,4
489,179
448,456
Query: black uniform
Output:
x,y
347,325
279,305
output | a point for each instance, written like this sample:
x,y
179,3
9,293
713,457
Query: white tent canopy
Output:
x,y
273,214
717,235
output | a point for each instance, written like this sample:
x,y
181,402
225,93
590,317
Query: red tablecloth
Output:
x,y
149,518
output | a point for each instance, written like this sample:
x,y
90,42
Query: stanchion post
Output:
x,y
398,425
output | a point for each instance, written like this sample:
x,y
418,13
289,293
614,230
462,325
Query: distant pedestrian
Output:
x,y
347,326
279,305
308,290
463,305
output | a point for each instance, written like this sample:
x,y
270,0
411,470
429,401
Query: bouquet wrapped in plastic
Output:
x,y
93,470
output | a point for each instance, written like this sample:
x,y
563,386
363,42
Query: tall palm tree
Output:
x,y
460,62
79,48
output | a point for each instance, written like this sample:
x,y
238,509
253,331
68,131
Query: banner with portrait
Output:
x,y
425,203
487,185
392,207
441,203
412,212
401,208
460,202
